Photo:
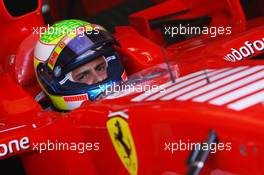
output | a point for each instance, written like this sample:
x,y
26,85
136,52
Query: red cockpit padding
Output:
x,y
24,68
14,29
17,43
20,65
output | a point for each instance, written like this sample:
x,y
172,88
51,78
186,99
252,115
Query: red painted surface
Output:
x,y
152,123
15,29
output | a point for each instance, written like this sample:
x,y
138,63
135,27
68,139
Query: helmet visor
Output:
x,y
83,47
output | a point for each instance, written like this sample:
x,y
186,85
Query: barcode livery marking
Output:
x,y
236,88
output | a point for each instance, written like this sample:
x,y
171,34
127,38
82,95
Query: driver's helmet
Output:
x,y
76,61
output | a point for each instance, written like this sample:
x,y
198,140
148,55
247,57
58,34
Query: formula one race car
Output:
x,y
203,61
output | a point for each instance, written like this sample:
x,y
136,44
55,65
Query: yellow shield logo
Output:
x,y
123,142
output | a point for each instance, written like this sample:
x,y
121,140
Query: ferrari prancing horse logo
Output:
x,y
122,140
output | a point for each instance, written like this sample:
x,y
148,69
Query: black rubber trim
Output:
x,y
17,8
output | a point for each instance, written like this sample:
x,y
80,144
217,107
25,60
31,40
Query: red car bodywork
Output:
x,y
152,122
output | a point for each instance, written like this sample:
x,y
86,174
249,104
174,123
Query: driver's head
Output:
x,y
76,61
92,72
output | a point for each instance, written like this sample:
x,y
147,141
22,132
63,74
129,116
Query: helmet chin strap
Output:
x,y
68,76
